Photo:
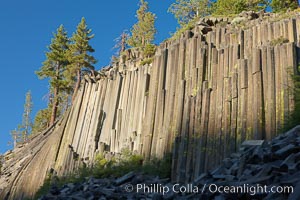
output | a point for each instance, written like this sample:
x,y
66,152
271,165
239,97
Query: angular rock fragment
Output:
x,y
124,178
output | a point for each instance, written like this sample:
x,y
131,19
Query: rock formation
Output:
x,y
204,94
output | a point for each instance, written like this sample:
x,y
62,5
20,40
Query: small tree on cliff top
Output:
x,y
142,33
79,57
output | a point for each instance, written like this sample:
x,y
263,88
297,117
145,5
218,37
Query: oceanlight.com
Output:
x,y
211,188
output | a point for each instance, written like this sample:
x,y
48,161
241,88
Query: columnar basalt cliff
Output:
x,y
205,93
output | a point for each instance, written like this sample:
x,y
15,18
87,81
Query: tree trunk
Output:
x,y
123,42
77,85
54,106
55,98
15,140
143,41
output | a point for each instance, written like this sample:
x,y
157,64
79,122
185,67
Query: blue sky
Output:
x,y
27,28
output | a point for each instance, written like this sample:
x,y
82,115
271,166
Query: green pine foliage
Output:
x,y
149,50
79,57
41,120
284,5
80,48
187,10
232,7
229,7
54,68
56,58
65,62
143,32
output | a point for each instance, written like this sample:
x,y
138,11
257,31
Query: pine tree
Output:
x,y
54,67
26,126
79,57
187,10
142,33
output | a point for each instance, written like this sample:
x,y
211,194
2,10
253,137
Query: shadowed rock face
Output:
x,y
275,163
203,95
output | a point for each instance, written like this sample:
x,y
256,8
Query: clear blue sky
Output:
x,y
27,28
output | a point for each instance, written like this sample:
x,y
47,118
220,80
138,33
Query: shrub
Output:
x,y
160,167
147,61
294,117
55,181
44,189
279,41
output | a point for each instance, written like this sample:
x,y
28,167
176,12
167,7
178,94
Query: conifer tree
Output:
x,y
54,67
142,33
186,10
79,54
26,126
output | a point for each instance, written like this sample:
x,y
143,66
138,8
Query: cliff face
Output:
x,y
204,94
